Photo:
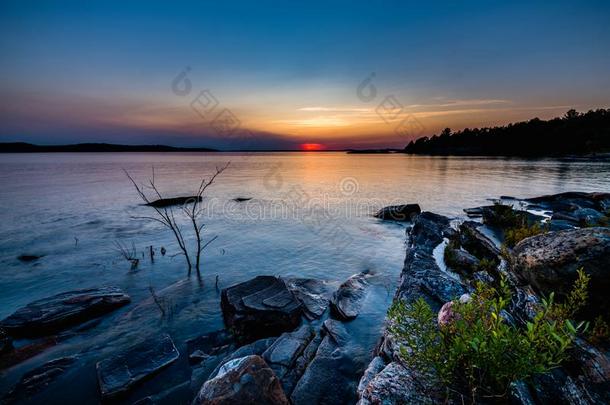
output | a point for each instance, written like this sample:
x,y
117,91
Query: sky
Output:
x,y
293,75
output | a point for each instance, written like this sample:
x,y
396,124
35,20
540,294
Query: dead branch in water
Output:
x,y
192,209
128,253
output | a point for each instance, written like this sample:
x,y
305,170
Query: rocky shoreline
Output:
x,y
286,340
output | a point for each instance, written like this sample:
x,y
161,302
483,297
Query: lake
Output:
x,y
310,215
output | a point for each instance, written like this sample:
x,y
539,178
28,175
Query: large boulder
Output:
x,y
55,313
403,212
117,374
347,300
259,308
245,380
549,262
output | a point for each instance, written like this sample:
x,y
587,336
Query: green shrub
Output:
x,y
479,354
512,236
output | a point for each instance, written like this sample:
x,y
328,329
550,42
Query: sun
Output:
x,y
311,146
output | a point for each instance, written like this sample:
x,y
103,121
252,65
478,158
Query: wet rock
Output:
x,y
560,225
301,363
255,348
347,300
570,201
476,242
428,230
460,260
475,212
117,374
26,258
504,216
282,354
260,307
483,277
399,212
38,379
396,384
246,380
242,199
549,262
218,343
314,295
168,202
55,313
331,376
519,394
374,367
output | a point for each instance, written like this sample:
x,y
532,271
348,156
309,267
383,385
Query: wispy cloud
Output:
x,y
335,109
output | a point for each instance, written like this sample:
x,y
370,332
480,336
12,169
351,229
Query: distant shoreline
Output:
x,y
23,147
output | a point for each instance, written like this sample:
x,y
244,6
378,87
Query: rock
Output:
x,y
282,354
504,216
331,376
428,230
246,380
314,295
28,258
549,262
396,384
242,199
119,373
483,277
519,394
374,367
475,212
560,225
347,300
588,216
260,307
255,348
168,202
476,242
572,200
55,313
446,314
37,380
398,212
219,343
6,342
290,380
460,260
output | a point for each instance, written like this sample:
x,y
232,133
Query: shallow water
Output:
x,y
310,216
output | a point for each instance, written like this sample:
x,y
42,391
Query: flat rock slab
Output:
x,y
347,300
37,380
60,311
260,307
119,373
399,212
314,295
282,354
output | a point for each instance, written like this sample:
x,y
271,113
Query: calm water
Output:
x,y
310,216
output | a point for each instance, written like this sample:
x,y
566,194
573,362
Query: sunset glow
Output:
x,y
311,146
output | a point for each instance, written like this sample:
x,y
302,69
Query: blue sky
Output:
x,y
288,71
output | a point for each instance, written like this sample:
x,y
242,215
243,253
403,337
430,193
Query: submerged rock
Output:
x,y
60,311
38,379
260,307
28,258
549,262
6,342
218,343
399,212
168,202
246,380
347,300
119,373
